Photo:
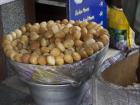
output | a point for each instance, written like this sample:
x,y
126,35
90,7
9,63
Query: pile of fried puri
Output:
x,y
55,42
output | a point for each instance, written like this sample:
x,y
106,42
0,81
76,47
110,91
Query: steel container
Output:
x,y
61,94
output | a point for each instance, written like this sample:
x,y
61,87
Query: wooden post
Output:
x,y
2,57
2,63
29,7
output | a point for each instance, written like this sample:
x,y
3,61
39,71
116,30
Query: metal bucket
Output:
x,y
60,94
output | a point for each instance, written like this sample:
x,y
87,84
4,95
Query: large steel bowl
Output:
x,y
61,94
69,73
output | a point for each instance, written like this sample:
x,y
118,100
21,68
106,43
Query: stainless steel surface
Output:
x,y
59,94
53,2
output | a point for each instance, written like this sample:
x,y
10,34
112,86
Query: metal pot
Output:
x,y
58,94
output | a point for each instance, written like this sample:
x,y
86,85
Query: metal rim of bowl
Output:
x,y
49,85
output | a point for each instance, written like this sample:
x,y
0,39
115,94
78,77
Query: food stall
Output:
x,y
59,61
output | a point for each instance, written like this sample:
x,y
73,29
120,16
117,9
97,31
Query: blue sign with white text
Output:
x,y
90,10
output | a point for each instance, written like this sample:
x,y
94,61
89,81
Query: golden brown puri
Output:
x,y
54,42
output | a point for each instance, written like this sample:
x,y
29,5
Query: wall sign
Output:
x,y
91,10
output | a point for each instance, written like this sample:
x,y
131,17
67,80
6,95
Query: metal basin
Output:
x,y
69,73
58,94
